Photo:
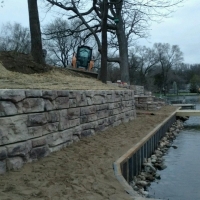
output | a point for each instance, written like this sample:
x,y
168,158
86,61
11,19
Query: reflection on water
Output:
x,y
181,179
184,99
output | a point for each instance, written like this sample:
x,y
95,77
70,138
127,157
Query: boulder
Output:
x,y
33,93
60,137
36,119
81,99
61,102
21,149
73,113
14,163
72,103
48,105
39,152
3,153
30,105
49,94
2,167
13,129
88,110
38,131
7,108
12,95
52,116
37,142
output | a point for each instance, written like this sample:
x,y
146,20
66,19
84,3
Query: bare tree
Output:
x,y
168,57
97,21
90,23
134,19
36,41
141,12
142,62
113,72
14,37
61,41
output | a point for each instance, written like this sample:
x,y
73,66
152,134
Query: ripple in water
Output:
x,y
181,179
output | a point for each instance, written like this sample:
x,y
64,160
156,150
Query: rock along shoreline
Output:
x,y
152,165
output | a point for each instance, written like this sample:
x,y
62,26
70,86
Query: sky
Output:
x,y
182,28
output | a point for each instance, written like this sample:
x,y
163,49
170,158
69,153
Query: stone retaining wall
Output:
x,y
138,89
34,123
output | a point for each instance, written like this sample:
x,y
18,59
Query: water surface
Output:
x,y
181,179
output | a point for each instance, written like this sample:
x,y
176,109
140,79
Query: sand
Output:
x,y
82,171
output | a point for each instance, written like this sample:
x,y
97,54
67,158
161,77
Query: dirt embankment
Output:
x,y
82,171
19,71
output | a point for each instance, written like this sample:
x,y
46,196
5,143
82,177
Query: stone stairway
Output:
x,y
143,99
145,102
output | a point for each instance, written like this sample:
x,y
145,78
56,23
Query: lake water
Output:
x,y
187,99
181,179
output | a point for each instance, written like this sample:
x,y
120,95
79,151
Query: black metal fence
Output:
x,y
132,166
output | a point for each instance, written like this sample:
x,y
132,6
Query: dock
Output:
x,y
187,113
185,106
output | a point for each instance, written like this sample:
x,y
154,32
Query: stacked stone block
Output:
x,y
138,89
34,123
148,103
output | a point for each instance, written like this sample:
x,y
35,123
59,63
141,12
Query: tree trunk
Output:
x,y
36,41
104,48
123,50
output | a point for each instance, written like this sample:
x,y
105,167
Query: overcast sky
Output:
x,y
182,29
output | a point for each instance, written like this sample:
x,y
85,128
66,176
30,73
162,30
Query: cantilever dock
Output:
x,y
187,110
187,113
185,106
